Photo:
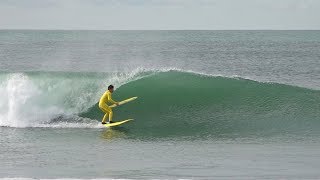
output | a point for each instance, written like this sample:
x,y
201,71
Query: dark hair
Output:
x,y
110,87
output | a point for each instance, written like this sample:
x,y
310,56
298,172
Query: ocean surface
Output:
x,y
212,104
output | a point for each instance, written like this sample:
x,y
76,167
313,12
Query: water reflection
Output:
x,y
114,133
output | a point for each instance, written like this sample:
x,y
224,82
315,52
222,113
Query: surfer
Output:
x,y
106,97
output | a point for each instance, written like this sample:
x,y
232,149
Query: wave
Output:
x,y
176,103
170,103
35,99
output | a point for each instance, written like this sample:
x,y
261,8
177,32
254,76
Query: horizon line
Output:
x,y
43,29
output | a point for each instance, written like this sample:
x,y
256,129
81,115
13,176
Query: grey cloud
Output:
x,y
160,14
29,3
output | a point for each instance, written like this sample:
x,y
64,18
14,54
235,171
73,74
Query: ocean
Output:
x,y
211,104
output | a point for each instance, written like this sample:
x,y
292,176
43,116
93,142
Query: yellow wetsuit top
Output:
x,y
106,97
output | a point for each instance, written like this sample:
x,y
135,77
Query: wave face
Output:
x,y
171,103
176,103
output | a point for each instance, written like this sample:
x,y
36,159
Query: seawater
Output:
x,y
212,104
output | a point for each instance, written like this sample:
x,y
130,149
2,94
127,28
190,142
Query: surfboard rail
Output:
x,y
123,102
117,123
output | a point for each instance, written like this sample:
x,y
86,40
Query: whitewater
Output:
x,y
34,99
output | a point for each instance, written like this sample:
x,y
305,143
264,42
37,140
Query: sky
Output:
x,y
160,14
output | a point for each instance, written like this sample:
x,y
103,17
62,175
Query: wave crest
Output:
x,y
171,102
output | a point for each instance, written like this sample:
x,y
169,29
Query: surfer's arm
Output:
x,y
111,100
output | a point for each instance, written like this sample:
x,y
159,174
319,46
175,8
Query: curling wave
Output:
x,y
171,103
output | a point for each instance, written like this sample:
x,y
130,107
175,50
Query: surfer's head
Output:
x,y
111,88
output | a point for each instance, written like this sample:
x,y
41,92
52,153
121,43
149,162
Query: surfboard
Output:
x,y
123,102
117,123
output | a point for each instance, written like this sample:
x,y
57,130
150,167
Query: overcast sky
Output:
x,y
159,14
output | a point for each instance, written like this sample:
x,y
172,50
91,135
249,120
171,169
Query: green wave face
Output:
x,y
170,104
187,104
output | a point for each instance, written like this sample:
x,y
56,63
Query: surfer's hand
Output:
x,y
117,103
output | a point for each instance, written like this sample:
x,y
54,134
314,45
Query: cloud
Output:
x,y
29,3
153,2
62,3
160,14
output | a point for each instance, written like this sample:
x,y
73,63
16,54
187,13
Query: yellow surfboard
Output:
x,y
123,102
117,123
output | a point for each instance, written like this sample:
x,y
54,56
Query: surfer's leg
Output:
x,y
106,109
110,115
105,118
109,111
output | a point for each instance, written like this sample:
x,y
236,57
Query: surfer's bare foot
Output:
x,y
111,122
103,123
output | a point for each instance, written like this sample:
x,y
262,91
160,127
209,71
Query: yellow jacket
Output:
x,y
106,97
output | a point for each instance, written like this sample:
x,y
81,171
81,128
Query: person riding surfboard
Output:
x,y
105,98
